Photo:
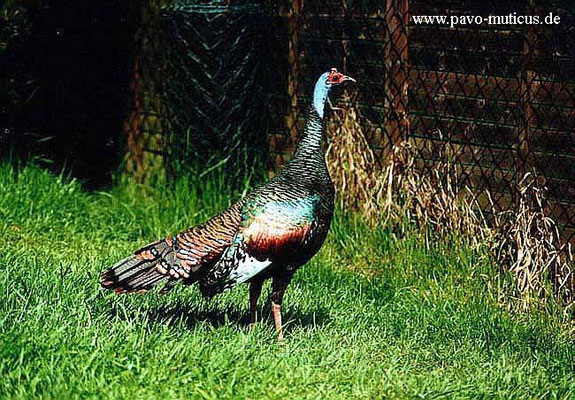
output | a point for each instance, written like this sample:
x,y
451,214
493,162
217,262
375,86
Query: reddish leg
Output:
x,y
279,286
277,313
255,291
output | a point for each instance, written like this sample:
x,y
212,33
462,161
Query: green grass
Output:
x,y
415,323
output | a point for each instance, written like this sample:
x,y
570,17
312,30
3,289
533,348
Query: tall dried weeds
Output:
x,y
357,173
529,246
522,241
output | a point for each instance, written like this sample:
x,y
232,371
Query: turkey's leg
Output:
x,y
255,291
279,286
277,312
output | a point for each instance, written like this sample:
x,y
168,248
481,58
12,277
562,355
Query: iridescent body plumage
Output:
x,y
271,232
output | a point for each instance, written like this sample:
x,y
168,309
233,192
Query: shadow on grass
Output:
x,y
218,315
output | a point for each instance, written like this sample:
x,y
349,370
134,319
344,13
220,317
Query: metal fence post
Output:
x,y
397,68
144,127
527,83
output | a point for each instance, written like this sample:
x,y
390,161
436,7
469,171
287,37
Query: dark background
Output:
x,y
66,73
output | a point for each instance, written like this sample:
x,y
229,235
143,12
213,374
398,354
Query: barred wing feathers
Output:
x,y
183,257
203,245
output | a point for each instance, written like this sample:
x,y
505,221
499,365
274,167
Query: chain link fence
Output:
x,y
497,99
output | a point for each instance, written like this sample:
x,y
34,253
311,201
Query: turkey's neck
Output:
x,y
310,147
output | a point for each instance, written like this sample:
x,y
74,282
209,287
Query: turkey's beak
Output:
x,y
348,78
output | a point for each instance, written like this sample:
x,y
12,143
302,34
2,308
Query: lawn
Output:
x,y
377,314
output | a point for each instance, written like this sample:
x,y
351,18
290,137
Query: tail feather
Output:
x,y
126,265
184,257
143,281
138,267
141,271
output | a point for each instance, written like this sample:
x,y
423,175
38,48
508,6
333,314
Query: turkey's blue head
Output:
x,y
324,84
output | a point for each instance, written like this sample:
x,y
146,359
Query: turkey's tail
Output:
x,y
142,271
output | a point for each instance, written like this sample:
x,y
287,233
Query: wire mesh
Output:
x,y
497,99
213,91
198,96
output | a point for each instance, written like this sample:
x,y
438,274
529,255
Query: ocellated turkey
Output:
x,y
270,233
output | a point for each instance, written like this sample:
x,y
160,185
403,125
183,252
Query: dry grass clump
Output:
x,y
522,241
433,200
357,174
528,245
